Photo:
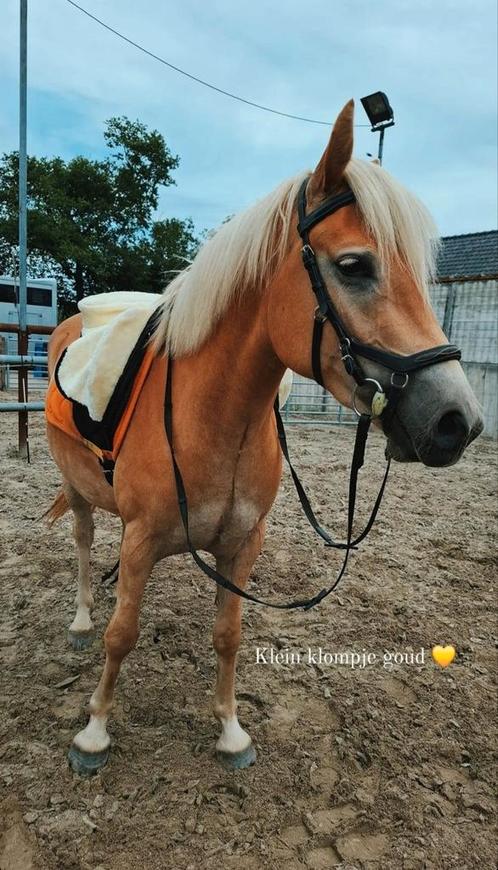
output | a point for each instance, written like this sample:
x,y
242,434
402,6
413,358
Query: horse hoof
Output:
x,y
87,763
80,640
237,760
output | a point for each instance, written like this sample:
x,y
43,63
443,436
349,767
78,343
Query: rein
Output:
x,y
383,405
357,462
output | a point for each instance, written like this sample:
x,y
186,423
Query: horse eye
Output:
x,y
355,266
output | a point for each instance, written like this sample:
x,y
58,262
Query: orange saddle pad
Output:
x,y
104,437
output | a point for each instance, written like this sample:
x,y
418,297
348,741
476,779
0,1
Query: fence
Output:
x,y
37,374
22,361
468,313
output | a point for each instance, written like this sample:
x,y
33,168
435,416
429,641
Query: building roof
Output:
x,y
474,255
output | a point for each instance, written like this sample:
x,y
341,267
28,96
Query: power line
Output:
x,y
195,78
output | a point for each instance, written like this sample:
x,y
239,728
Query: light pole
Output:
x,y
380,115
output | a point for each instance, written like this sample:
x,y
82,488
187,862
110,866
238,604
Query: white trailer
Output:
x,y
41,311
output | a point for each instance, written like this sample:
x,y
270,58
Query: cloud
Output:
x,y
433,60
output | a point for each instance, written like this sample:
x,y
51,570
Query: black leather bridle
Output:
x,y
400,366
383,404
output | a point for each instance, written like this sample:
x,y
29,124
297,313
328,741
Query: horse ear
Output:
x,y
330,170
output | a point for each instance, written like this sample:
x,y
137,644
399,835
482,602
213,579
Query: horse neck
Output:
x,y
236,372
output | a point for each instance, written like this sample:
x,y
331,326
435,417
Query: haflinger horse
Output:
x,y
233,321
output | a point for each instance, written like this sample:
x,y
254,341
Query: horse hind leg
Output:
x,y
234,747
81,631
90,749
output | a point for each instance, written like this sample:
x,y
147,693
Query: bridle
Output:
x,y
383,404
325,312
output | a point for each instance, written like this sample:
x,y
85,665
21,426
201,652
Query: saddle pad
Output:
x,y
98,379
100,309
92,365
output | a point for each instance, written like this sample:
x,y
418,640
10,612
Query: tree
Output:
x,y
91,222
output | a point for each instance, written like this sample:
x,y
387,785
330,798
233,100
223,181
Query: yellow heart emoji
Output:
x,y
443,655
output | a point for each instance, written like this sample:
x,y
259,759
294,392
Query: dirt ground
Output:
x,y
377,767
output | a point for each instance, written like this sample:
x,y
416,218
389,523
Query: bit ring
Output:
x,y
365,381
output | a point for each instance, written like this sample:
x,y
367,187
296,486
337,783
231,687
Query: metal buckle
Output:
x,y
379,399
307,251
345,343
401,374
345,356
319,315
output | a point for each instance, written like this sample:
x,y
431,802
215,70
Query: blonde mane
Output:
x,y
247,251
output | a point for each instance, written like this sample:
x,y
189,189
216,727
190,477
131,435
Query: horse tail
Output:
x,y
57,509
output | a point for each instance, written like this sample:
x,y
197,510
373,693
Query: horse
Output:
x,y
233,321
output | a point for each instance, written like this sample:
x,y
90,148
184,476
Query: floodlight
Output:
x,y
380,115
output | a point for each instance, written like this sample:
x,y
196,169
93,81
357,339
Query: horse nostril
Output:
x,y
451,431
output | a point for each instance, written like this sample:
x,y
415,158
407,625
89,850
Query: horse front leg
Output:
x,y
234,746
90,749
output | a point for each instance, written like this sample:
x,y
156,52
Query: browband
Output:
x,y
306,222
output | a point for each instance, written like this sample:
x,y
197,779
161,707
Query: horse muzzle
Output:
x,y
436,420
441,446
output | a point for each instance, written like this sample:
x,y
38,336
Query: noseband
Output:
x,y
383,405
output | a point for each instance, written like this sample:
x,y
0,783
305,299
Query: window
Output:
x,y
7,293
36,295
40,296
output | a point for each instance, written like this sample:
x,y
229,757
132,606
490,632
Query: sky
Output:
x,y
435,59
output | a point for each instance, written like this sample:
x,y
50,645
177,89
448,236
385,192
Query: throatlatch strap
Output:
x,y
316,345
224,582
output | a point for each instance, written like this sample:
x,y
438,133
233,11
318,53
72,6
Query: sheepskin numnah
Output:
x,y
98,379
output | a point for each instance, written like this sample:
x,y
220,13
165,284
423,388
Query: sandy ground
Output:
x,y
376,767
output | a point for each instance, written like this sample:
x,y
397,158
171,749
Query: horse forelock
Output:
x,y
397,220
246,251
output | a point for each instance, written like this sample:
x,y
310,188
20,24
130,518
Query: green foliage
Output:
x,y
91,222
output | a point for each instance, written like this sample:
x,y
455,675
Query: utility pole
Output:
x,y
22,339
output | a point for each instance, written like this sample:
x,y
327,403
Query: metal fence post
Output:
x,y
449,310
22,339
